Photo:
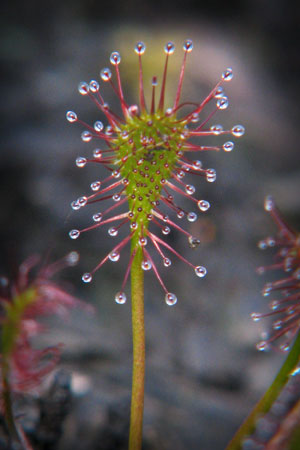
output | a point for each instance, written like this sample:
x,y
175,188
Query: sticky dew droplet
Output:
x,y
143,241
188,46
98,126
238,130
87,277
115,58
200,271
211,175
169,48
71,116
105,74
83,88
166,230
269,203
219,92
216,129
97,217
94,86
262,245
97,153
274,304
112,231
295,372
262,346
86,136
228,146
74,234
284,347
193,242
203,205
277,325
82,201
197,164
120,298
227,75
222,103
81,162
255,317
192,216
146,264
114,256
267,289
75,205
116,197
167,262
95,186
170,299
140,48
189,189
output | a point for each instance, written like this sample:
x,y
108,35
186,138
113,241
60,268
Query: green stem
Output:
x,y
268,398
7,402
138,335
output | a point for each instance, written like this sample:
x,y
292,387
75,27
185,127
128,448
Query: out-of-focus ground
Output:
x,y
203,371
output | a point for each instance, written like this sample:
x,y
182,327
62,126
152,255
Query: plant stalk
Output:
x,y
138,337
265,403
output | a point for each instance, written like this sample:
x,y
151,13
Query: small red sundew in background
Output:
x,y
286,307
23,302
145,154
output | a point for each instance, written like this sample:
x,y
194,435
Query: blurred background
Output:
x,y
203,371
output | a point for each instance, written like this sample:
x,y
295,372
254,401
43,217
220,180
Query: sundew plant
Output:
x,y
148,151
